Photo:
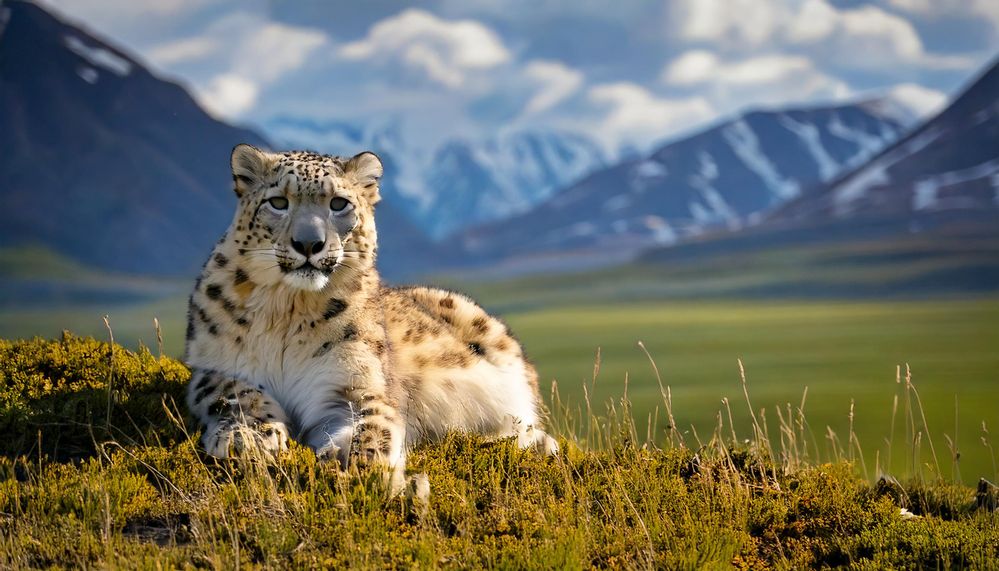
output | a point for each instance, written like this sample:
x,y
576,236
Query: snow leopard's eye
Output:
x,y
278,203
338,204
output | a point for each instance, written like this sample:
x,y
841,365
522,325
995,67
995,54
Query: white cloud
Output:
x,y
863,37
814,20
270,50
701,66
443,49
766,69
985,9
765,80
635,115
874,38
922,101
692,67
879,35
228,95
740,21
187,49
556,82
246,52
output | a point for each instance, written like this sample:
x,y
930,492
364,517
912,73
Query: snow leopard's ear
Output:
x,y
249,167
366,170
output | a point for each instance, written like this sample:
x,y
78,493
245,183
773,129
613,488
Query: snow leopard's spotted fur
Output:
x,y
322,351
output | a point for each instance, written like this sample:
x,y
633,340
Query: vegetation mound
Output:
x,y
61,398
90,482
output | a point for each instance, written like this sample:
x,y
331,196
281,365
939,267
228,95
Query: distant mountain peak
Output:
x,y
949,163
723,177
463,180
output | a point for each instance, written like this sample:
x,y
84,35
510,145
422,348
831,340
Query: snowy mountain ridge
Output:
x,y
461,182
948,164
725,177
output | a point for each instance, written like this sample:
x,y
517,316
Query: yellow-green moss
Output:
x,y
55,396
161,503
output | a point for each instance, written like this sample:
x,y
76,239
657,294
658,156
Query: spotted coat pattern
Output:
x,y
291,333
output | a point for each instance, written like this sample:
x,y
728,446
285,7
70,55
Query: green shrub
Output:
x,y
62,398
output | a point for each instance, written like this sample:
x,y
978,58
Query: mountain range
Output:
x,y
114,167
725,177
117,169
921,216
949,164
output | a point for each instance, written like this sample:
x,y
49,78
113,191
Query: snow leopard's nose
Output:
x,y
308,247
308,234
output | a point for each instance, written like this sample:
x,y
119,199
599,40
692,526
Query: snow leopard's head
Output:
x,y
304,219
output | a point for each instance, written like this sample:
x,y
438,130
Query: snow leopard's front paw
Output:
x,y
230,439
365,444
377,442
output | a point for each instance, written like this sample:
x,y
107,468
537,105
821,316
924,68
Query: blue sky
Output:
x,y
628,73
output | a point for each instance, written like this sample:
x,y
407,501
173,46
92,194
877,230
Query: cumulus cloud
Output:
x,y
632,114
468,69
921,101
228,95
741,21
556,81
769,79
862,37
879,39
692,67
701,66
445,50
271,50
179,51
247,51
875,38
983,9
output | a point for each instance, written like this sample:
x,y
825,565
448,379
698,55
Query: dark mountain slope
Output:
x,y
103,161
949,164
116,168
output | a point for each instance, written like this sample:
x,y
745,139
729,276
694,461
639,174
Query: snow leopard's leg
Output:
x,y
239,418
366,430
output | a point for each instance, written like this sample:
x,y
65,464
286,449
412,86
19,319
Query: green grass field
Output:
x,y
842,351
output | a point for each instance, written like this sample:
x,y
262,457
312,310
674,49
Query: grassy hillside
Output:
x,y
842,351
35,276
750,267
133,491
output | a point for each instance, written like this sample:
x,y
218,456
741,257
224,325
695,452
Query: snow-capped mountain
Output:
x,y
474,183
404,163
116,168
950,164
460,182
727,176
